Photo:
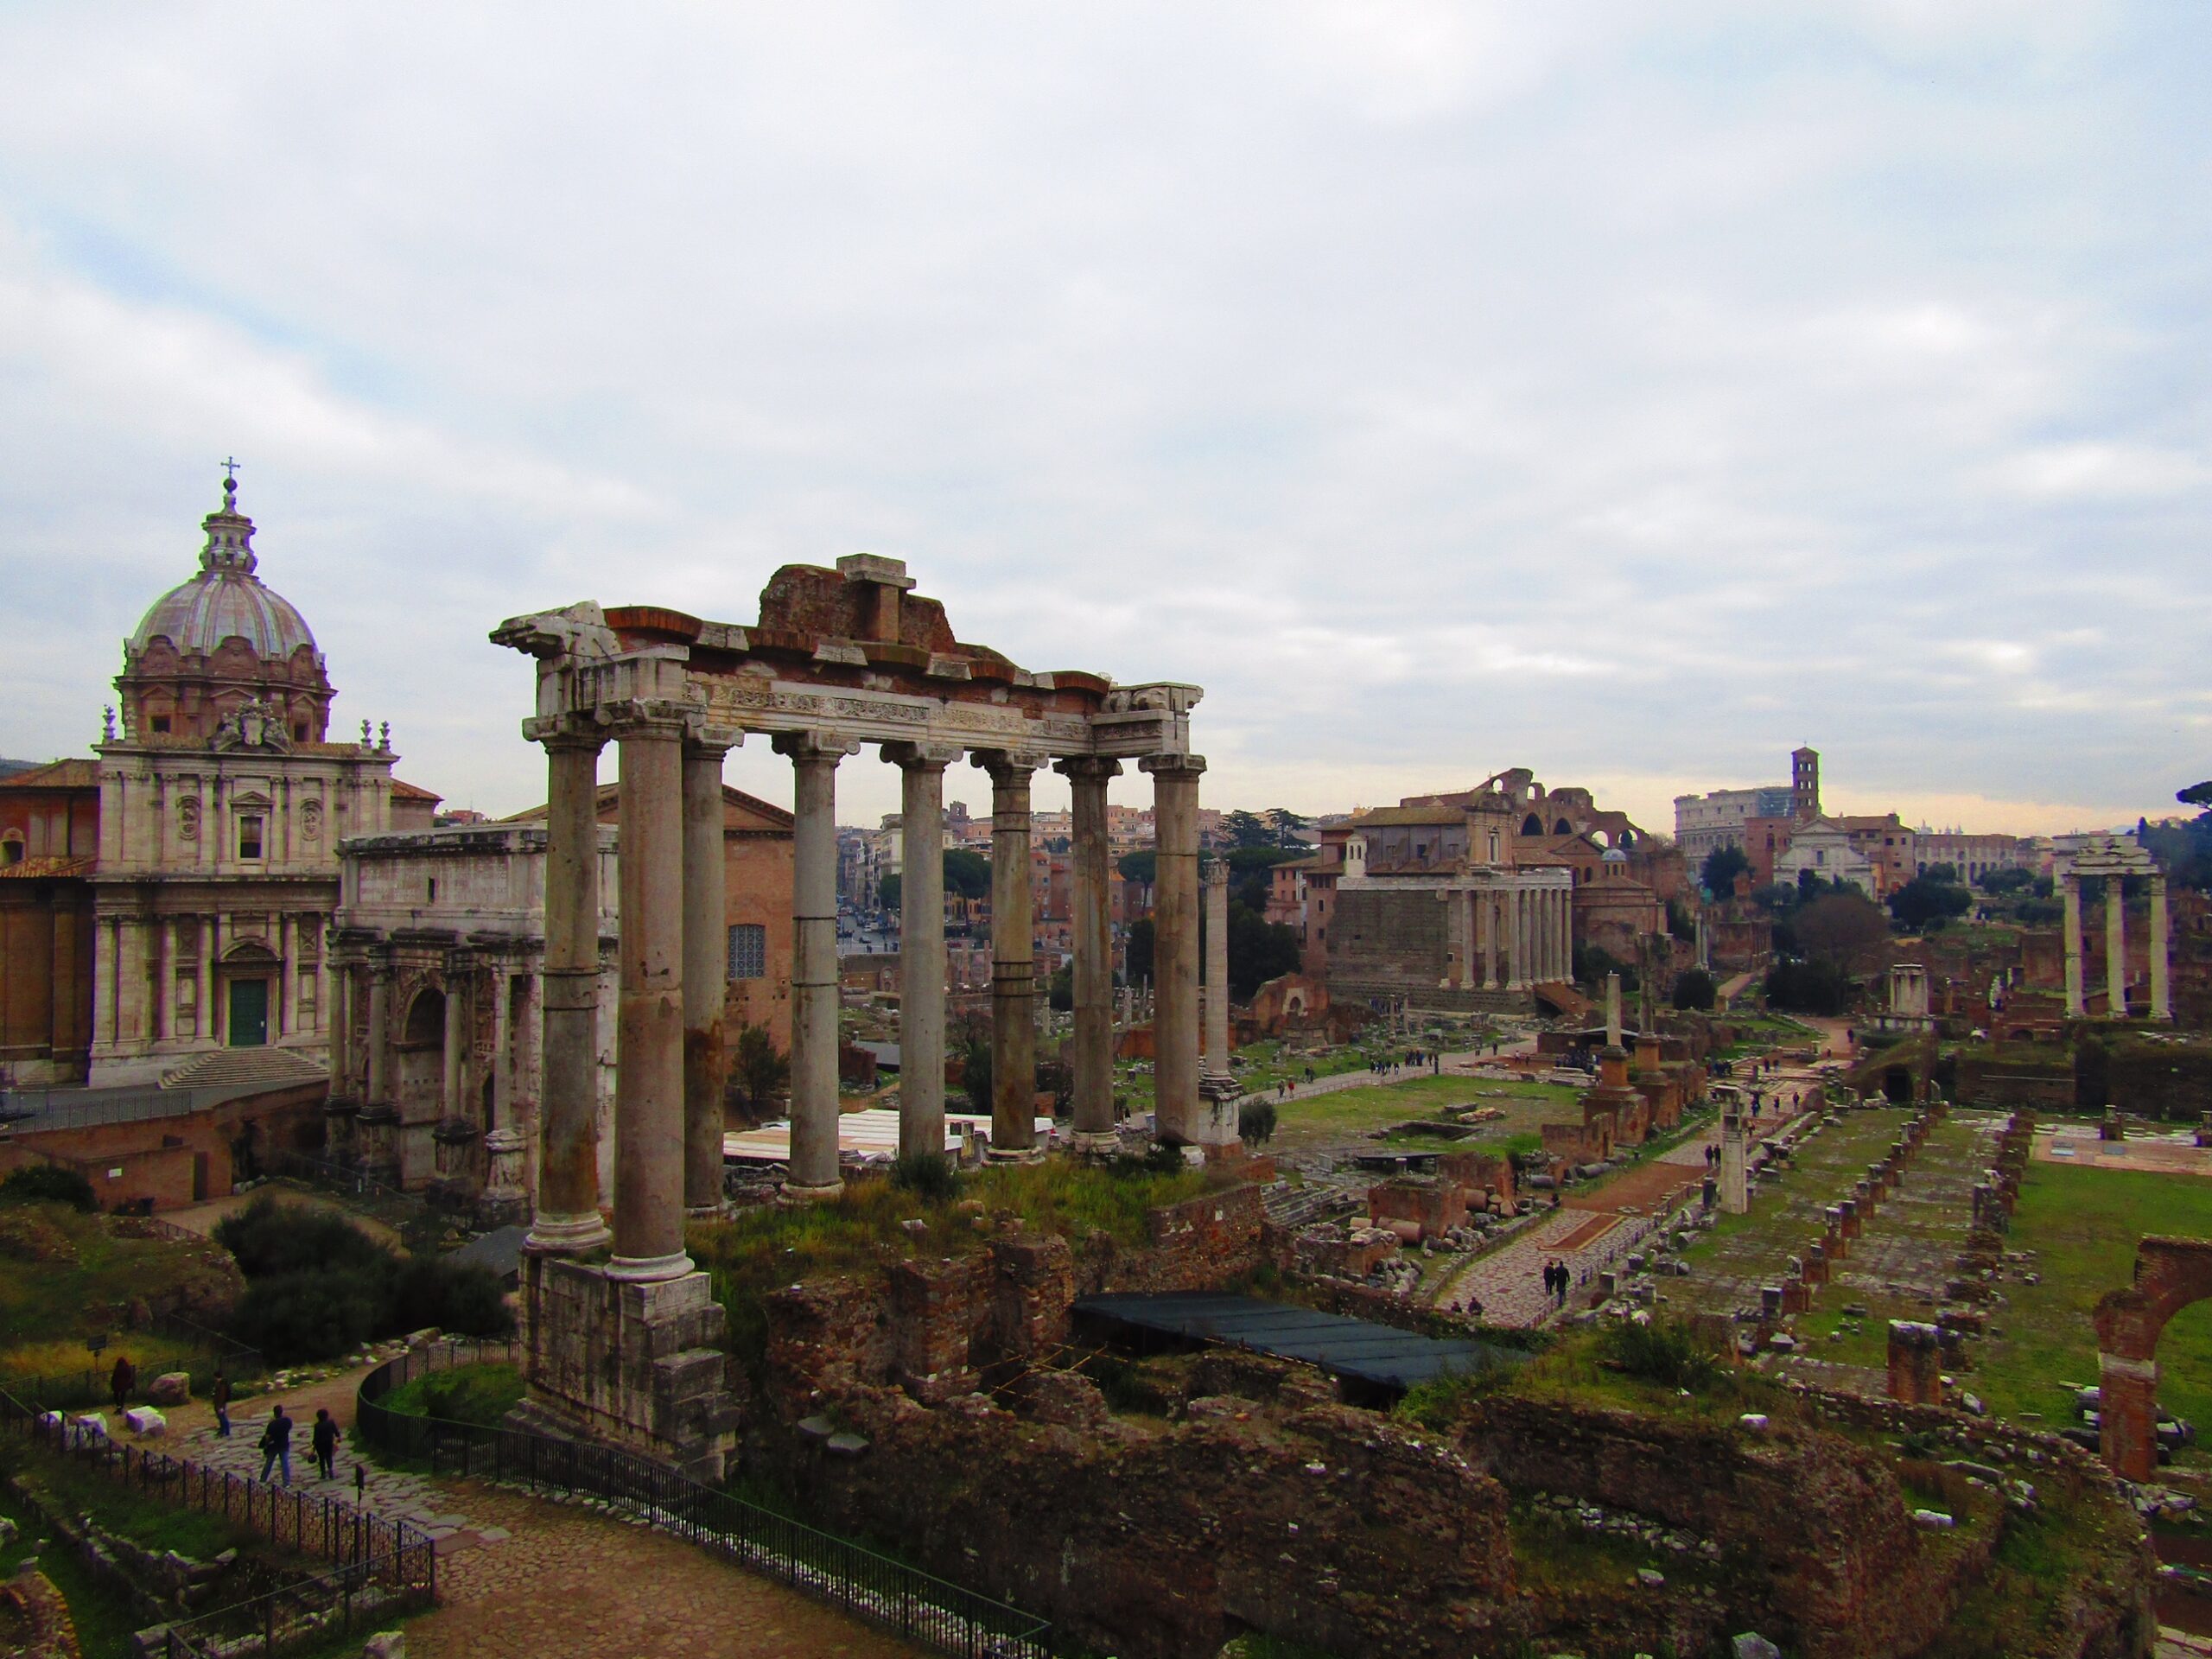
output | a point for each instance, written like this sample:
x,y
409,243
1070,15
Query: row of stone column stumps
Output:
x,y
1918,1350
624,1337
1846,1219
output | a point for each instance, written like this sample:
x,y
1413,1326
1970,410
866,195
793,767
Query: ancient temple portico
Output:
x,y
626,1344
2111,860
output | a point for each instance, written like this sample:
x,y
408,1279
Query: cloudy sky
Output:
x,y
1631,392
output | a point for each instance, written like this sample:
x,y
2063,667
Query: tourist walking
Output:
x,y
121,1381
219,1395
324,1436
276,1445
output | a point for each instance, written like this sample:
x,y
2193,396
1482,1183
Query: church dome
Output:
x,y
226,599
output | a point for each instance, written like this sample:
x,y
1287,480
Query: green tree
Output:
x,y
1286,825
889,891
1139,867
1259,950
967,873
1926,901
757,1072
1060,991
1695,989
1846,930
1721,867
972,1043
48,1184
1255,1123
1137,957
1246,830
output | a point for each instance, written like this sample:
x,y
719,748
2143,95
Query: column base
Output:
x,y
1097,1143
1014,1154
634,1364
707,1212
812,1194
567,1235
649,1269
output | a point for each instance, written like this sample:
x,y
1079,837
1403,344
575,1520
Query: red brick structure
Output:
x,y
198,1150
1916,1363
49,834
2170,1275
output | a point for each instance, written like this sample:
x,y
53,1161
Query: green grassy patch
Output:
x,y
104,1619
482,1394
863,1228
79,1489
2083,1225
1352,1112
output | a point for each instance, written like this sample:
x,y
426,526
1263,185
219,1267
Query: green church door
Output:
x,y
249,1012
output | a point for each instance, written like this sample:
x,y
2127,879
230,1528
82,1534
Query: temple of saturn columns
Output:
x,y
624,1337
2112,860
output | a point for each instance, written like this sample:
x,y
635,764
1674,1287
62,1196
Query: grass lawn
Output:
x,y
2083,1225
104,1619
1349,1113
482,1394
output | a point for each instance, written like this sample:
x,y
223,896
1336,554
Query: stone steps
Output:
x,y
224,1067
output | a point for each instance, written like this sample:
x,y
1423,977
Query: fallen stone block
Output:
x,y
170,1388
145,1420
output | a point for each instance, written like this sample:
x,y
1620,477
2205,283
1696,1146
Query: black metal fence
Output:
x,y
846,1575
382,1567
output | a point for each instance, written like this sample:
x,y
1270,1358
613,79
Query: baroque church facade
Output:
x,y
222,803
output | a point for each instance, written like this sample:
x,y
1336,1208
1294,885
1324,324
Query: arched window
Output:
x,y
1532,825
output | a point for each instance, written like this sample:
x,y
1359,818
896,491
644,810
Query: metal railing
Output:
x,y
359,1597
848,1576
327,1529
36,1110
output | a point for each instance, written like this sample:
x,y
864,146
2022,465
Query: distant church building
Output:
x,y
221,806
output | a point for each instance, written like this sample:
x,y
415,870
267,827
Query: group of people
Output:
x,y
276,1442
1559,1279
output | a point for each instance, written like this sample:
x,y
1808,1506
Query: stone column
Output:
x,y
566,1219
1486,913
452,1101
380,1068
2161,1002
1735,1186
1455,938
814,759
2115,948
341,1036
1215,1051
649,1020
1094,954
1013,966
706,973
1613,1010
921,944
2075,1006
1176,1115
1522,976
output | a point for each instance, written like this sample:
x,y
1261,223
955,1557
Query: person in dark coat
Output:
x,y
276,1445
324,1436
121,1381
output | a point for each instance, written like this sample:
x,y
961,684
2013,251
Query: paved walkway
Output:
x,y
526,1577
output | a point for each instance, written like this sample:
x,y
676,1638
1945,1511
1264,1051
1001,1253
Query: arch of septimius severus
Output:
x,y
624,1342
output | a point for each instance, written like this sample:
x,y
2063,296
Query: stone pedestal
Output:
x,y
636,1365
507,1183
1916,1363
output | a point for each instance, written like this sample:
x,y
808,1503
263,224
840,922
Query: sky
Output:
x,y
1628,391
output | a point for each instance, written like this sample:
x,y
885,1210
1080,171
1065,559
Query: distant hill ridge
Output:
x,y
9,768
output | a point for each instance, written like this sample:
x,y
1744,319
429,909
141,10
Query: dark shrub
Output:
x,y
928,1175
271,1238
1255,1123
459,1297
1665,1351
48,1184
294,1317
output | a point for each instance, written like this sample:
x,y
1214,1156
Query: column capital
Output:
x,y
1173,765
707,740
1089,768
800,747
1002,764
566,732
919,757
636,717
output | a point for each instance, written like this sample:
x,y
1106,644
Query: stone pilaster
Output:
x,y
1013,967
377,1125
1176,1109
921,944
706,977
567,1217
648,1187
814,758
1093,1036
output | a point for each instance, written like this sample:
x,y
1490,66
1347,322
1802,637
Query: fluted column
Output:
x,y
649,1015
566,1219
2115,948
921,944
1175,945
452,1102
2161,1002
1486,912
2076,1006
813,758
1094,954
706,977
1013,968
